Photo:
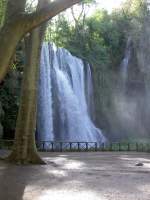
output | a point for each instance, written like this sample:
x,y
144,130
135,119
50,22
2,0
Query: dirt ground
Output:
x,y
78,176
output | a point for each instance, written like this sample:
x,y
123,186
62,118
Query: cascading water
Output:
x,y
125,61
130,97
89,90
63,114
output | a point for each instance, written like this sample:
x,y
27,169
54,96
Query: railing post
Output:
x,y
103,146
128,146
110,148
61,148
78,146
86,146
95,146
148,149
52,146
0,144
70,144
46,146
43,145
142,147
137,147
119,146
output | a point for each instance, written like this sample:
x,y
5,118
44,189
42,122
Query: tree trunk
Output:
x,y
24,150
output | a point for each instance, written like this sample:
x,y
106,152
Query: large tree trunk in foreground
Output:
x,y
15,28
24,150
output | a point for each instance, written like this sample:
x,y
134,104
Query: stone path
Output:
x,y
78,176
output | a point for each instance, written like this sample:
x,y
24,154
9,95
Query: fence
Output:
x,y
82,146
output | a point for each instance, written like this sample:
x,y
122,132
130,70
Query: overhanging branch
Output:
x,y
17,27
37,18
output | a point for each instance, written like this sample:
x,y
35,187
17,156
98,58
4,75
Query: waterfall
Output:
x,y
44,113
64,98
89,90
130,97
125,61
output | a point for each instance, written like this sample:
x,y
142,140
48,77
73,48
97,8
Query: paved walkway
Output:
x,y
78,176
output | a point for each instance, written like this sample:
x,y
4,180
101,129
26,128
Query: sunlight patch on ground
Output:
x,y
58,160
134,159
57,173
66,163
131,162
74,165
70,195
144,188
147,165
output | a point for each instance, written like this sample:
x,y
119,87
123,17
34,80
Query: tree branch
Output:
x,y
38,17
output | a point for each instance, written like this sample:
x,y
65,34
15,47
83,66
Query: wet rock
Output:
x,y
139,164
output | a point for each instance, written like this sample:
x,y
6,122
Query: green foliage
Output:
x,y
136,8
100,38
88,1
9,97
10,92
97,38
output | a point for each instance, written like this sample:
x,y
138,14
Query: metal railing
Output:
x,y
50,146
67,146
